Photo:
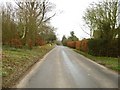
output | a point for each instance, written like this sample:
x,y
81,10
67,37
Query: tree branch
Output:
x,y
49,18
85,31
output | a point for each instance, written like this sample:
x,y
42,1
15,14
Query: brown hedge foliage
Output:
x,y
80,45
40,42
16,43
84,45
77,46
96,47
71,44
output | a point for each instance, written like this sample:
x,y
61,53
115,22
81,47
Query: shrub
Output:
x,y
84,45
77,46
64,42
40,42
30,44
100,47
96,47
113,49
71,44
16,43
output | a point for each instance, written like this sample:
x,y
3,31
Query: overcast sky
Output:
x,y
69,17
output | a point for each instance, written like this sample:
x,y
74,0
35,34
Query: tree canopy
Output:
x,y
103,17
26,22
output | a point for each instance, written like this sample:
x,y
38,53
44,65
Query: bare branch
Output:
x,y
49,18
18,3
85,31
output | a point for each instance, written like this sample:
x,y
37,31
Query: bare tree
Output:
x,y
32,15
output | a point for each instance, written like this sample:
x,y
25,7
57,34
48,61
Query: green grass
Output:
x,y
109,62
15,62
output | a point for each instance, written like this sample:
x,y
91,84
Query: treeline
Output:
x,y
102,19
27,23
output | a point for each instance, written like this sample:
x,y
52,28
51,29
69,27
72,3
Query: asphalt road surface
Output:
x,y
64,68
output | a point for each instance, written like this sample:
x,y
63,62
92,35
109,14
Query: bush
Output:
x,y
84,45
16,43
71,44
113,49
64,42
30,44
78,43
100,47
96,47
39,42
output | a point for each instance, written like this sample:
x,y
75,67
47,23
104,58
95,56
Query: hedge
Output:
x,y
77,46
99,47
71,44
96,47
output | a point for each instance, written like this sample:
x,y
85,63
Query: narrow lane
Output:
x,y
64,68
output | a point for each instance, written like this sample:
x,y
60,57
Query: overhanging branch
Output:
x,y
49,18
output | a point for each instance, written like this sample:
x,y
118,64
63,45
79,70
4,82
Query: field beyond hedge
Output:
x,y
109,62
15,62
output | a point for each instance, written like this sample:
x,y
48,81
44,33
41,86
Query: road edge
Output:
x,y
100,65
25,78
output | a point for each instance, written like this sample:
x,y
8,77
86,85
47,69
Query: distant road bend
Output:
x,y
64,68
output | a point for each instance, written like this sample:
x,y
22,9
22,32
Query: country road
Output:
x,y
64,68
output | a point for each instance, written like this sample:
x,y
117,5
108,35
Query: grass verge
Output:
x,y
108,62
15,62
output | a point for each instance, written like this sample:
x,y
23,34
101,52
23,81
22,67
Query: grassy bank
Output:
x,y
109,62
15,62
